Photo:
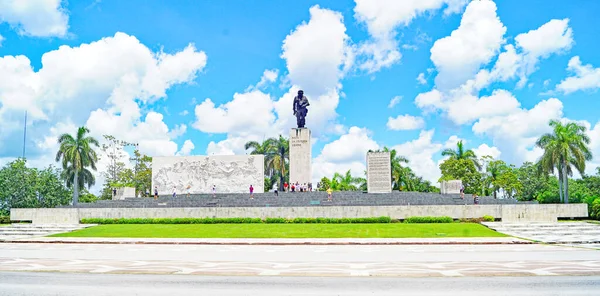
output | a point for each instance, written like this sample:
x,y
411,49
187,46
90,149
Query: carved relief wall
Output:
x,y
229,173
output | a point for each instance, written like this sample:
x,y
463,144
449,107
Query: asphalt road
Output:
x,y
64,284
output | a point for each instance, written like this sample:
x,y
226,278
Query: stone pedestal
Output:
x,y
300,156
450,187
379,172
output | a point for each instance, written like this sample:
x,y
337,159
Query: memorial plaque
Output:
x,y
300,156
379,172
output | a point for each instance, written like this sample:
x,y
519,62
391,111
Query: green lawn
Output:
x,y
392,230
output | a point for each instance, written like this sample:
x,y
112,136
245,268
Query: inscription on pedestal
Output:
x,y
300,156
379,172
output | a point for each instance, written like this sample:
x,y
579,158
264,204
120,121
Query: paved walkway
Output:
x,y
295,260
551,233
282,241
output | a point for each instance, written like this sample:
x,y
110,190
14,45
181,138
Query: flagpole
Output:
x,y
24,134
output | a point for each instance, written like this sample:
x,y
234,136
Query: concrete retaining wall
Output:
x,y
508,213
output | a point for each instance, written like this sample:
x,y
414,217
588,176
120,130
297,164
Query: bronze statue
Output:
x,y
300,110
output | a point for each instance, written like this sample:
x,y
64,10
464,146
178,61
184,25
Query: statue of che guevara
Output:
x,y
300,104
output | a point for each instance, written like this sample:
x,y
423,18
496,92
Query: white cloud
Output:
x,y
82,86
247,112
382,18
186,148
38,18
184,113
585,77
515,133
553,37
177,131
485,150
349,152
268,77
476,41
420,154
421,78
316,52
405,122
394,101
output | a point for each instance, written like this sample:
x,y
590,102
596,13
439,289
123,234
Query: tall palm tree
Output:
x,y
564,148
77,154
461,153
398,171
279,154
85,178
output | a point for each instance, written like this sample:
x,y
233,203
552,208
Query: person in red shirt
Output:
x,y
251,192
285,187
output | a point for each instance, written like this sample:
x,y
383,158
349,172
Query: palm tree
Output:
x,y
77,154
346,182
279,154
566,146
258,149
461,153
85,178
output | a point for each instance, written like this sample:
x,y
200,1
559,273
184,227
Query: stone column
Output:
x,y
300,156
379,172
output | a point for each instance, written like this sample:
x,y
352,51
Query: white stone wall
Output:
x,y
124,192
300,156
229,173
508,213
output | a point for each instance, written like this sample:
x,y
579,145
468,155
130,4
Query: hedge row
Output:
x,y
443,219
235,220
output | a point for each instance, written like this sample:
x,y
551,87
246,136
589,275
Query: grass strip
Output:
x,y
386,230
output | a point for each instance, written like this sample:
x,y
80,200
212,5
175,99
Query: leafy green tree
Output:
x,y
23,187
346,182
461,169
324,184
77,152
86,178
533,184
564,148
461,153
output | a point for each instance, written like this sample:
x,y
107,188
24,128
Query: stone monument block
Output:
x,y
450,187
300,156
379,172
229,173
124,192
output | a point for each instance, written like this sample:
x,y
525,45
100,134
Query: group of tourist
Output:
x,y
297,187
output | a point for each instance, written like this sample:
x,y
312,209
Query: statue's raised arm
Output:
x,y
300,110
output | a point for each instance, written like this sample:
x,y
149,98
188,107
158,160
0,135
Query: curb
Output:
x,y
268,243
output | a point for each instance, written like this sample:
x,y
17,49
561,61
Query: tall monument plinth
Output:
x,y
300,156
379,172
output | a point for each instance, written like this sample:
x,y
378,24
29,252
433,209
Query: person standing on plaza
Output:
x,y
155,192
329,192
251,192
214,191
187,190
174,191
285,187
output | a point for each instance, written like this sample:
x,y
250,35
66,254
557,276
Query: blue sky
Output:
x,y
184,77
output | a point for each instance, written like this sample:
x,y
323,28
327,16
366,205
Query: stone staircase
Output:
x,y
24,230
559,232
296,199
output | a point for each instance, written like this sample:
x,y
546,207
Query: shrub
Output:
x,y
4,219
234,220
443,219
488,218
470,220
